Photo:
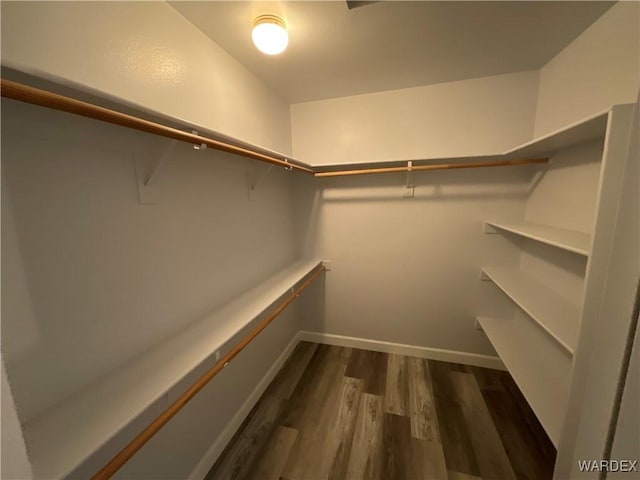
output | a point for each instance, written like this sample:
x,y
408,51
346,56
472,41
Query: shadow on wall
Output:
x,y
486,184
442,185
406,270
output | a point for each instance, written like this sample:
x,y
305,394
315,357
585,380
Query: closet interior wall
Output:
x,y
92,278
600,68
70,212
480,116
405,270
121,51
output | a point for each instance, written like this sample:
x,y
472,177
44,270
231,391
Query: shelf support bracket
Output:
x,y
409,188
535,180
489,229
253,185
161,163
202,146
147,195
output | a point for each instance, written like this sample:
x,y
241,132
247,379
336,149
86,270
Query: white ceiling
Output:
x,y
334,51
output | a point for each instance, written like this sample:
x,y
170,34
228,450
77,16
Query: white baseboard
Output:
x,y
232,427
452,356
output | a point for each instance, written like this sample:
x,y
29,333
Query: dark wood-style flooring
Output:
x,y
343,413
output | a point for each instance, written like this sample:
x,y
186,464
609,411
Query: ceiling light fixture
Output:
x,y
270,34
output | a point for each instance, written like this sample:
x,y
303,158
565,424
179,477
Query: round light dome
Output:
x,y
270,34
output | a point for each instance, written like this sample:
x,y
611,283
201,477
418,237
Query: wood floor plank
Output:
x,y
257,427
454,433
405,457
288,378
306,387
461,476
459,367
529,449
323,374
490,453
371,367
528,462
396,448
338,438
422,409
318,419
236,460
527,418
366,449
312,415
429,456
488,379
275,455
396,399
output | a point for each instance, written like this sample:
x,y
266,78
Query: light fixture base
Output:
x,y
267,18
270,34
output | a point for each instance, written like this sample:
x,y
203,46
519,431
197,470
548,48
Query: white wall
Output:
x,y
145,54
598,69
14,462
179,448
94,278
406,270
550,203
470,117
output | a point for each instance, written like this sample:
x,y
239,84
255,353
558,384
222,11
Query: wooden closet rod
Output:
x,y
143,437
43,98
441,166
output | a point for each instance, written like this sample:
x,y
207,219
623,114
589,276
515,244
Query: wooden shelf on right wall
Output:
x,y
543,375
569,240
559,289
556,315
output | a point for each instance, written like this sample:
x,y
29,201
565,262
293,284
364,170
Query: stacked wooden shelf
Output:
x,y
64,436
537,344
569,240
556,315
541,377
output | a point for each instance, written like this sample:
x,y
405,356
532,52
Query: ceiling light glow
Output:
x,y
270,34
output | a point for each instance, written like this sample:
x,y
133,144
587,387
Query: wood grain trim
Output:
x,y
440,166
43,98
143,437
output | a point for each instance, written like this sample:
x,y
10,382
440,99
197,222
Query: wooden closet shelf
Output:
x,y
532,152
591,128
43,98
543,379
559,317
47,99
569,240
67,434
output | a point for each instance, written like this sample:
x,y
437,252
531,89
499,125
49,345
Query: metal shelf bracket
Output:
x,y
147,195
